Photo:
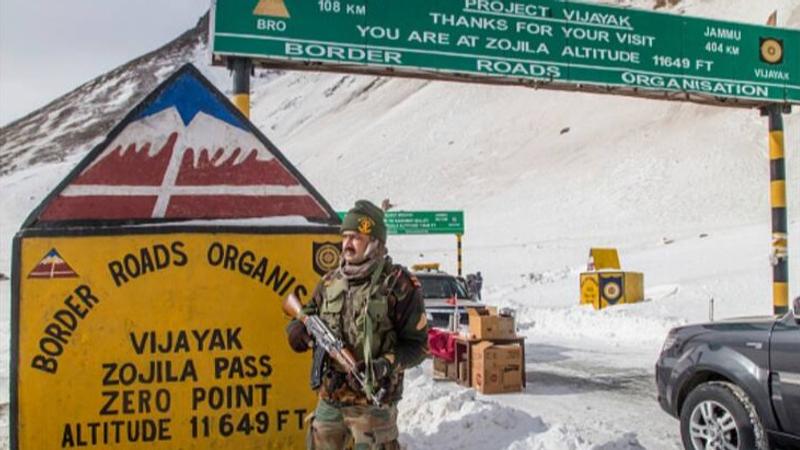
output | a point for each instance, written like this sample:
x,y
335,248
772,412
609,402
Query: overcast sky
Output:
x,y
49,47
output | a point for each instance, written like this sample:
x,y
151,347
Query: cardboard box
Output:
x,y
485,323
443,370
497,368
451,371
439,369
463,374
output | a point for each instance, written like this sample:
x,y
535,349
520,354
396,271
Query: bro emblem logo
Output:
x,y
326,257
272,8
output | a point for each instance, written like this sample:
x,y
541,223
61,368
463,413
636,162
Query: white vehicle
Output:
x,y
439,289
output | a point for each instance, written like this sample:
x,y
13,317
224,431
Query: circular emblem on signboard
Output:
x,y
771,50
327,257
612,292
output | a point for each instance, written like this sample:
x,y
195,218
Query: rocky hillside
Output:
x,y
76,121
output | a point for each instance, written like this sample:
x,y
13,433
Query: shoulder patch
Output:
x,y
414,280
402,282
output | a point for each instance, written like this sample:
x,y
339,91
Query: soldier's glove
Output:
x,y
381,368
299,339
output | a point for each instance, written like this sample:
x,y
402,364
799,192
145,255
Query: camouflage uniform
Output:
x,y
390,303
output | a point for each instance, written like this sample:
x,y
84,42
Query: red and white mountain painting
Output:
x,y
185,156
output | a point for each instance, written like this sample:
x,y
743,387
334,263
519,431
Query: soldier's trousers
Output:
x,y
370,428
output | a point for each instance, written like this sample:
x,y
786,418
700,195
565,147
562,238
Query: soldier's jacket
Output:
x,y
398,322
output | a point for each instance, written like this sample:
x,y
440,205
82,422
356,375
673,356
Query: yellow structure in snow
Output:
x,y
604,284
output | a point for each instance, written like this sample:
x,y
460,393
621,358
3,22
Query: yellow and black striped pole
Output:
x,y
242,67
458,252
777,172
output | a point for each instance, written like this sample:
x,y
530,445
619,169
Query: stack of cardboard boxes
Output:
x,y
490,357
493,357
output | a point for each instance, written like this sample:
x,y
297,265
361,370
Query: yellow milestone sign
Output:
x,y
163,340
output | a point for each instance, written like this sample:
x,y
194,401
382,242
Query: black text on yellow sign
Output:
x,y
164,341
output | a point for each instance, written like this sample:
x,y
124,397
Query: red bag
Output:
x,y
442,344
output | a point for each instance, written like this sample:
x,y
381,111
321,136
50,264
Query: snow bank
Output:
x,y
443,416
622,324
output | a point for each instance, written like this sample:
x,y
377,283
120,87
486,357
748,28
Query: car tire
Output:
x,y
721,412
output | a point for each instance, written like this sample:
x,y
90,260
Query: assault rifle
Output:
x,y
325,339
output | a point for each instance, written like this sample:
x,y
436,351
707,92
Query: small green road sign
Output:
x,y
558,44
423,222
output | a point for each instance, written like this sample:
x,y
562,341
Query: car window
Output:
x,y
441,287
462,285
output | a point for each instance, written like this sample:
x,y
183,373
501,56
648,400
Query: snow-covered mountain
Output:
x,y
682,190
584,162
79,119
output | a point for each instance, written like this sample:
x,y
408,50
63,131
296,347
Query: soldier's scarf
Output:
x,y
376,251
373,256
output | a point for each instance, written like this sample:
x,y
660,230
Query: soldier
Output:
x,y
376,308
472,285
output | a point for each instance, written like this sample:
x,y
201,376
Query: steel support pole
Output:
x,y
777,172
242,68
458,252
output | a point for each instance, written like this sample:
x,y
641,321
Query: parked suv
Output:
x,y
734,384
438,289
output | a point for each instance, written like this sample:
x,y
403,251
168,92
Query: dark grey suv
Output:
x,y
734,385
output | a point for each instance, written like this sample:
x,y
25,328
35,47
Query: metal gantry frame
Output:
x,y
243,67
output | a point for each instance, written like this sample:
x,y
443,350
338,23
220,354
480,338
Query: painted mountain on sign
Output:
x,y
52,266
184,153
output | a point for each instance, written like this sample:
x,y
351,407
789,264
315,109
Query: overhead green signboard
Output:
x,y
423,222
557,44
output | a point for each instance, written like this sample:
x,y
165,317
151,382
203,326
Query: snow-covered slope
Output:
x,y
682,190
535,170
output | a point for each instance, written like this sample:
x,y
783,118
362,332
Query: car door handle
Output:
x,y
755,345
789,378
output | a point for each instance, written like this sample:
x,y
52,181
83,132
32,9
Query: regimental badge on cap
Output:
x,y
365,225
